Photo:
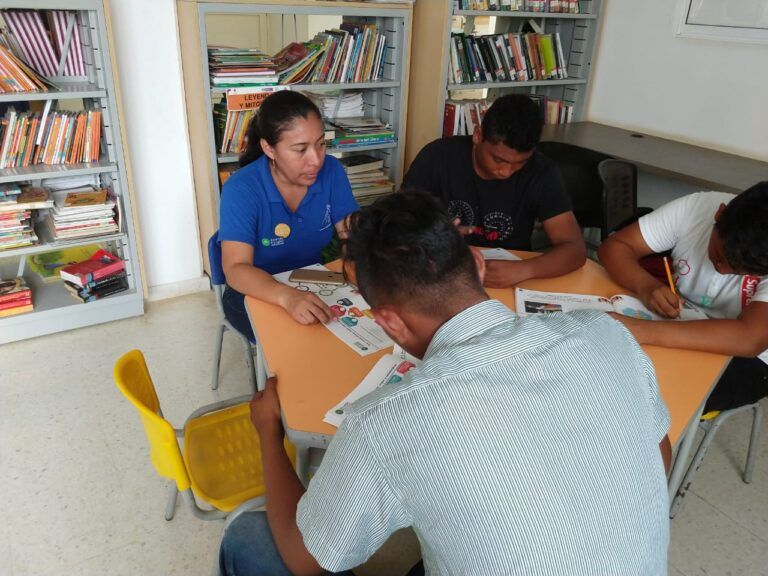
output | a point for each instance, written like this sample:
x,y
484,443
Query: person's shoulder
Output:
x,y
244,179
451,145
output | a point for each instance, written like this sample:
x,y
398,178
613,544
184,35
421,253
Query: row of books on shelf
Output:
x,y
461,117
354,52
65,215
506,58
41,38
15,76
49,137
367,177
561,6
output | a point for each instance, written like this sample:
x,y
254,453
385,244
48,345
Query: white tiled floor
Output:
x,y
79,495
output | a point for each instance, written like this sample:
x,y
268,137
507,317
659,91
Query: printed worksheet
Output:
x,y
353,324
390,369
532,302
498,254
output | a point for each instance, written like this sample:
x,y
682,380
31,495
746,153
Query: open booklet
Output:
x,y
354,323
498,254
533,302
390,369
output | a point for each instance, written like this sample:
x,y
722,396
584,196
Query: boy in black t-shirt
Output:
x,y
497,185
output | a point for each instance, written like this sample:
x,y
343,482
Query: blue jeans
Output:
x,y
234,311
248,549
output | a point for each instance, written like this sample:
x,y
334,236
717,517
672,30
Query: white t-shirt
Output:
x,y
685,226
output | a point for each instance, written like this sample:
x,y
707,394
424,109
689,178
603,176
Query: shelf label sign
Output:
x,y
249,97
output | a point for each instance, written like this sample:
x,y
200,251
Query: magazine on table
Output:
x,y
390,369
354,324
537,302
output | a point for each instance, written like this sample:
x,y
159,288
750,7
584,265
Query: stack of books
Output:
x,y
296,61
338,104
461,117
570,6
46,265
506,58
102,275
15,76
360,131
42,46
16,230
49,138
15,297
81,213
236,67
367,177
231,127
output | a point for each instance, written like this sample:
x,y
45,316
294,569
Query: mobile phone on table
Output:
x,y
317,276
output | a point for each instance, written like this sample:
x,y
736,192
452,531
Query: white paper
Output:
x,y
390,369
498,254
354,324
533,302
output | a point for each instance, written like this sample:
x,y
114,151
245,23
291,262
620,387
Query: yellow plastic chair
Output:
x,y
221,460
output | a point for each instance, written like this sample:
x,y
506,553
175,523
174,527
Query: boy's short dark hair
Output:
x,y
742,228
515,120
406,250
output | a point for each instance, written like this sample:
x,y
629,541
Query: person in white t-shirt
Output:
x,y
719,250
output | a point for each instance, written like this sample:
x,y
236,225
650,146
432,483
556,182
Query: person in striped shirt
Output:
x,y
533,445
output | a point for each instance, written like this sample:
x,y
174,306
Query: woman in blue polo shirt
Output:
x,y
279,210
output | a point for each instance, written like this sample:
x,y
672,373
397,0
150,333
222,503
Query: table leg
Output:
x,y
302,464
678,468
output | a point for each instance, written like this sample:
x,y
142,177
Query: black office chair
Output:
x,y
620,207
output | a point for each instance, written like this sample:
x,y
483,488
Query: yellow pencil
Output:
x,y
669,276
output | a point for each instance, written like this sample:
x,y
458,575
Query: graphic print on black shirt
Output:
x,y
500,212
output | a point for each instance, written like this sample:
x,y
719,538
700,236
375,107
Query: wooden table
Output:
x,y
710,169
316,370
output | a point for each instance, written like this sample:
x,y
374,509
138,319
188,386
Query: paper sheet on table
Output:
x,y
498,254
533,302
354,324
390,369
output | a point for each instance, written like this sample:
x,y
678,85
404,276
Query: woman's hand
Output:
x,y
304,307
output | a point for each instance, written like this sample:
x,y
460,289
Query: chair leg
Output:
x,y
709,435
249,361
217,357
757,419
170,507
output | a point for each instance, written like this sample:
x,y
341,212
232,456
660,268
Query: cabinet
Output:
x,y
433,25
269,26
54,308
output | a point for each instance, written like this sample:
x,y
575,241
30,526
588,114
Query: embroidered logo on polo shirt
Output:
x,y
282,230
326,219
267,242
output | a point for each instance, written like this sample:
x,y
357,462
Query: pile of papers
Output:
x,y
233,67
361,131
16,206
367,177
338,104
81,213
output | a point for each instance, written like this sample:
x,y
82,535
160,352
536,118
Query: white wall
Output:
x,y
147,54
709,93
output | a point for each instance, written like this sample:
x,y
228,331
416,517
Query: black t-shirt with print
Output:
x,y
502,212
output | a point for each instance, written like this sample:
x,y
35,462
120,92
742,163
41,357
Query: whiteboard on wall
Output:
x,y
735,20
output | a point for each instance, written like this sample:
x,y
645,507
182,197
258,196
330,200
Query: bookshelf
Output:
x,y
55,309
429,83
276,23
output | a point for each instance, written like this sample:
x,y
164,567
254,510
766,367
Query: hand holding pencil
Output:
x,y
663,299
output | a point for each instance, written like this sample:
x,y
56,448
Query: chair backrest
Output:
x,y
133,380
582,182
620,194
214,257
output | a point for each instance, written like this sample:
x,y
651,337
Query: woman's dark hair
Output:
x,y
276,114
742,229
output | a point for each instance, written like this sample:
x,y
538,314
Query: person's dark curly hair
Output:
x,y
515,120
405,248
742,227
276,114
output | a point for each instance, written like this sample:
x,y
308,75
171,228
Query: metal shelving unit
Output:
x,y
384,99
54,309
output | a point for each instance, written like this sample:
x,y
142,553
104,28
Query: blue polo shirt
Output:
x,y
253,212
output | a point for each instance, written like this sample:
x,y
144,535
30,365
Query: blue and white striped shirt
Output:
x,y
519,446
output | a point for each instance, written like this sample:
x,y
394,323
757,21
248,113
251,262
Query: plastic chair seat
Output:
x,y
223,457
